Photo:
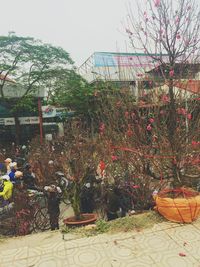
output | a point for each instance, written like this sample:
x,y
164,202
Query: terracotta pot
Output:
x,y
87,218
183,208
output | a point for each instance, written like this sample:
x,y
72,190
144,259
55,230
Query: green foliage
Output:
x,y
102,226
69,89
129,223
30,62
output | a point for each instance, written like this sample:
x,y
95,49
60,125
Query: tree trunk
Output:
x,y
76,202
172,127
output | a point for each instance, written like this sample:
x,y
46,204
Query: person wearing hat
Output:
x,y
18,179
13,169
6,194
7,163
53,198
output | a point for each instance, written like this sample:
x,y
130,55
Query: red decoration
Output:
x,y
135,186
102,166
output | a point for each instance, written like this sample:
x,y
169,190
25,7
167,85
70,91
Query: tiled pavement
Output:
x,y
165,245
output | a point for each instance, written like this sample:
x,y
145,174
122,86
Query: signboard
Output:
x,y
29,120
47,112
22,121
9,121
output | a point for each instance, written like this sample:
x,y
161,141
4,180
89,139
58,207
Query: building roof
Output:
x,y
113,66
192,86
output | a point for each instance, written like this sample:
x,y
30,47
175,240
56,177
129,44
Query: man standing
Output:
x,y
53,196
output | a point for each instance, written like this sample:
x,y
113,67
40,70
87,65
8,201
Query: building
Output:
x,y
123,69
140,73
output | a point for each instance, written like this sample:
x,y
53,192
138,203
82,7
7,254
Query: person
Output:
x,y
19,179
53,199
87,198
113,203
6,194
7,164
13,169
29,177
88,191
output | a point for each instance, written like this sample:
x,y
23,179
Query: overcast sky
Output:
x,y
81,27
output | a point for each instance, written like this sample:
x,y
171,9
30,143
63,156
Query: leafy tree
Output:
x,y
29,63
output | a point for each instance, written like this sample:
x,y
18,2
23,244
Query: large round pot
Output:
x,y
178,205
86,218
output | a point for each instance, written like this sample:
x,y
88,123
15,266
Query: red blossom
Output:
x,y
171,73
195,143
151,120
113,157
157,3
189,116
165,99
149,128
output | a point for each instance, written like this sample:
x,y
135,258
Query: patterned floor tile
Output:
x,y
84,257
194,249
165,225
142,261
171,258
150,243
186,233
47,261
19,263
13,254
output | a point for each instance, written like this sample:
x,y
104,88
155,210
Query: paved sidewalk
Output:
x,y
165,245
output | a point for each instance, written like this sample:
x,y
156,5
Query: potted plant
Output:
x,y
82,158
178,205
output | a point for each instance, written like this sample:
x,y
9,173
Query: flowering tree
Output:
x,y
168,32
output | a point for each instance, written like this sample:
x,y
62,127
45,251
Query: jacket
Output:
x,y
7,190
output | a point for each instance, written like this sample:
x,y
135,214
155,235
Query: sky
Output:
x,y
81,27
